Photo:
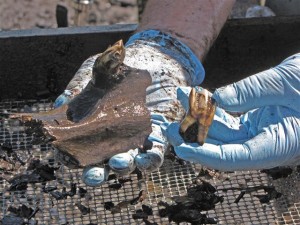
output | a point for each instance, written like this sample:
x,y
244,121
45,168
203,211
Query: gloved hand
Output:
x,y
170,64
266,136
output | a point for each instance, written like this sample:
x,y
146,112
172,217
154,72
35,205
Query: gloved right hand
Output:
x,y
266,136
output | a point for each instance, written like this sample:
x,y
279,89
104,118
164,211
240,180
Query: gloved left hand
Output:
x,y
267,136
170,64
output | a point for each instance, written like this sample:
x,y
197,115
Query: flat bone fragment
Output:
x,y
109,116
118,121
121,121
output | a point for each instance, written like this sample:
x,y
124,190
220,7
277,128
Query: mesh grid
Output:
x,y
172,179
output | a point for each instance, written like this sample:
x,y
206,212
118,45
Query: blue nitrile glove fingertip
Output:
x,y
95,176
183,96
61,100
64,98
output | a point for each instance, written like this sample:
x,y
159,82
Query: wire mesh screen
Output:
x,y
91,205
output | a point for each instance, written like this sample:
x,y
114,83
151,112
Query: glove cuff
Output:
x,y
173,48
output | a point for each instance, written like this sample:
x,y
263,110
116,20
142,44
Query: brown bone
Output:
x,y
119,122
106,118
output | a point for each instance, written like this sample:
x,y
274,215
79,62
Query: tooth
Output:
x,y
205,122
202,110
186,123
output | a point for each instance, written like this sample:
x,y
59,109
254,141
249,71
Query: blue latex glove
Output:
x,y
170,64
266,136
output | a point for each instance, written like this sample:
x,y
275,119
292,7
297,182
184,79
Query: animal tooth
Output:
x,y
186,123
202,110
